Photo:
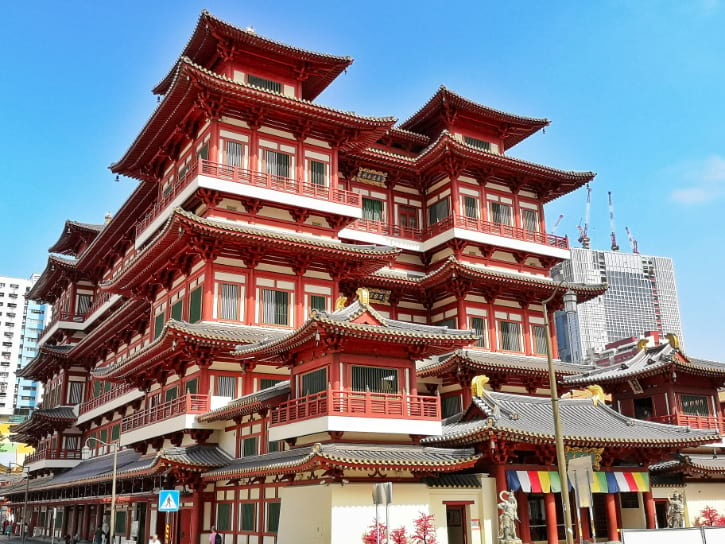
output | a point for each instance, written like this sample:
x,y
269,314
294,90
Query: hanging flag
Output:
x,y
599,483
524,479
581,475
512,480
555,482
545,479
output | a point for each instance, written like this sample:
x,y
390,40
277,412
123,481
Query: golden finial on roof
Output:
x,y
673,339
340,303
477,384
597,393
363,296
642,344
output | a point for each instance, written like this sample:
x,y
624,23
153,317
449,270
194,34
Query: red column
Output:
x,y
462,317
207,307
552,532
525,531
649,510
250,317
612,525
554,343
195,522
501,484
586,529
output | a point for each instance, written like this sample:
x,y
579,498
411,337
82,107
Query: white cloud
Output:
x,y
700,182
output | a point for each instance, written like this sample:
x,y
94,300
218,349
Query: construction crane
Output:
x,y
556,225
584,230
632,241
615,247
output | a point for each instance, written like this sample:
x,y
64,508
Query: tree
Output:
x,y
709,517
375,534
424,532
398,536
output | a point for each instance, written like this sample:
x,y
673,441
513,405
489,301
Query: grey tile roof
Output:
x,y
243,334
349,455
202,456
647,362
460,481
248,403
478,359
583,422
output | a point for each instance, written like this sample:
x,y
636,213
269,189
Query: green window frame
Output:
x,y
247,516
177,310
195,304
273,511
318,302
159,324
224,516
438,211
249,446
372,209
695,405
313,382
192,386
120,522
450,405
171,393
266,383
115,433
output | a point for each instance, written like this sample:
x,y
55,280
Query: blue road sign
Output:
x,y
168,500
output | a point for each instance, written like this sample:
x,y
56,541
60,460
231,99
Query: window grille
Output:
x,y
275,307
84,303
530,219
230,294
470,206
539,334
264,83
234,154
501,213
695,405
225,386
317,173
438,211
278,164
478,324
72,443
372,209
477,142
510,334
313,382
75,392
374,379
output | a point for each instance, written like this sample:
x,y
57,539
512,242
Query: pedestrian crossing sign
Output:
x,y
168,500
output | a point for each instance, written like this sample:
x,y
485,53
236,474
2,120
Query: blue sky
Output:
x,y
634,90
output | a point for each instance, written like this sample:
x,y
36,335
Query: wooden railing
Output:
x,y
694,422
99,299
63,316
104,398
53,454
357,404
186,404
247,177
462,222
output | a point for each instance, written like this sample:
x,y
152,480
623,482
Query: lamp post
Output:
x,y
85,454
25,502
569,303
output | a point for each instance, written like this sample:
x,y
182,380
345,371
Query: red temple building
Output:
x,y
292,305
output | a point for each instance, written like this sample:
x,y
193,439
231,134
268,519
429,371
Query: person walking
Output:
x,y
214,536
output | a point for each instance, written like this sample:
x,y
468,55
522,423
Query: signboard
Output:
x,y
169,500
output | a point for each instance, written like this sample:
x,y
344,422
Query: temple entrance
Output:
x,y
141,521
456,522
184,526
661,513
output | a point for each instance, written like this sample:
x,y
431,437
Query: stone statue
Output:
x,y
507,518
676,511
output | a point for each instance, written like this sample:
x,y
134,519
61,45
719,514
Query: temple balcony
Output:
x,y
52,459
233,180
356,411
172,416
78,321
110,400
694,422
461,227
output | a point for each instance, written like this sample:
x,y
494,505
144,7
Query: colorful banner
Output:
x,y
545,481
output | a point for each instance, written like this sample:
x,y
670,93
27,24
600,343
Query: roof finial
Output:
x,y
107,218
340,303
363,296
477,384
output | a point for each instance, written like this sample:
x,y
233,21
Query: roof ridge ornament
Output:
x,y
340,303
477,385
363,296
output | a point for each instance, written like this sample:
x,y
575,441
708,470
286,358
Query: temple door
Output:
x,y
456,522
184,526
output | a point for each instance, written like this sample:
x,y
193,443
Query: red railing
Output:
x,y
108,396
99,299
357,404
248,177
694,422
63,316
461,222
186,404
53,454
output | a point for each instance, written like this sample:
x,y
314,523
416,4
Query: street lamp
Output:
x,y
569,305
86,454
27,487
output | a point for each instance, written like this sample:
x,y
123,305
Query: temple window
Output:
x,y
438,211
72,443
223,520
408,217
195,304
509,336
501,214
171,393
192,386
372,209
273,509
470,207
159,321
538,339
695,405
318,302
264,83
275,308
643,408
234,153
83,303
451,323
278,164
317,172
530,219
247,517
225,386
313,382
229,301
450,405
177,310
275,445
75,392
374,379
480,327
266,383
478,143
249,446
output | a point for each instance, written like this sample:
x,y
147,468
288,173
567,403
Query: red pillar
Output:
x,y
462,317
613,526
195,522
649,510
552,531
207,305
501,484
586,528
525,530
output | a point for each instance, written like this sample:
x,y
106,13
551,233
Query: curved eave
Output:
x,y
520,127
202,49
232,410
458,362
45,289
72,230
191,79
38,367
658,368
117,323
181,225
